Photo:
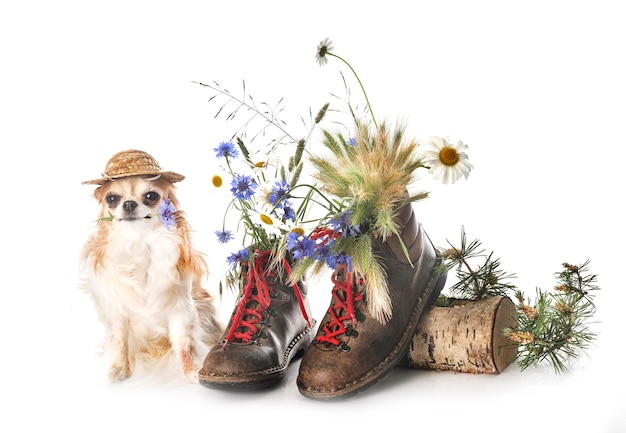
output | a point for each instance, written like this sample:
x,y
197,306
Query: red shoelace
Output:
x,y
253,303
342,310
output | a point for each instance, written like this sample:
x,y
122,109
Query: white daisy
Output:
x,y
323,48
263,160
263,196
271,224
447,161
220,184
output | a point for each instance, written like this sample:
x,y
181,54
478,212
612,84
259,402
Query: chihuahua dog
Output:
x,y
143,272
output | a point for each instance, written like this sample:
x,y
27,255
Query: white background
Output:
x,y
535,88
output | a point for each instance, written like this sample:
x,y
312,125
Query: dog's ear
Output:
x,y
98,192
169,191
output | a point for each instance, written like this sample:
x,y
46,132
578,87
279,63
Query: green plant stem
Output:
x,y
314,188
369,106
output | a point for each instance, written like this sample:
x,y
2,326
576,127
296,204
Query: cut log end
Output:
x,y
466,337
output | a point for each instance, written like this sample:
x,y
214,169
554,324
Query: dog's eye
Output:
x,y
113,199
151,197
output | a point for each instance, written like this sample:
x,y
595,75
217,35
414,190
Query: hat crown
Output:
x,y
131,162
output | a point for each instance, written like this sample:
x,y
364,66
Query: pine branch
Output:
x,y
475,282
554,329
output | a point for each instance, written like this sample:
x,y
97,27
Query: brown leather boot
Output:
x,y
352,350
269,326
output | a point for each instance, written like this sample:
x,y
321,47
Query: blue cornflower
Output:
x,y
166,214
343,224
324,249
280,189
292,239
352,141
239,257
226,149
335,260
242,186
300,245
223,236
288,212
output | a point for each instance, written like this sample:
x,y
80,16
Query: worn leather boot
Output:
x,y
352,350
269,326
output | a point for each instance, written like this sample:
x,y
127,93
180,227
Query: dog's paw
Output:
x,y
119,373
192,375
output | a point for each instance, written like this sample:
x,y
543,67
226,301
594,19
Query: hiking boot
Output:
x,y
353,350
269,326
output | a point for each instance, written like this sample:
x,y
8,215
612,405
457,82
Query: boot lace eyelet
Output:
x,y
351,332
343,314
343,347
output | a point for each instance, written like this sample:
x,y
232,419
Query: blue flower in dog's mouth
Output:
x,y
166,214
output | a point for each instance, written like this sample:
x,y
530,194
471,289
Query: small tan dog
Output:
x,y
143,272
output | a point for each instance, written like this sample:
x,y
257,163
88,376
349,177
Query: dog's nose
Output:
x,y
129,206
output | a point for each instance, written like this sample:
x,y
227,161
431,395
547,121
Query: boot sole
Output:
x,y
435,286
264,378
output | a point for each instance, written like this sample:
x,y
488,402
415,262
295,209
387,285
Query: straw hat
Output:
x,y
133,163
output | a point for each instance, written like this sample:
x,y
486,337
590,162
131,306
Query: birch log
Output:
x,y
466,337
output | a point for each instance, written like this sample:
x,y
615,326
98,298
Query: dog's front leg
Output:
x,y
182,331
119,362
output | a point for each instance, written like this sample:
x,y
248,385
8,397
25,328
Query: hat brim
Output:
x,y
167,175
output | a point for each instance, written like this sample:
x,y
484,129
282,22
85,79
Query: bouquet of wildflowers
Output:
x,y
354,193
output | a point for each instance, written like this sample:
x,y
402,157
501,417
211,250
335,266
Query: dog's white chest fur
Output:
x,y
139,270
144,261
